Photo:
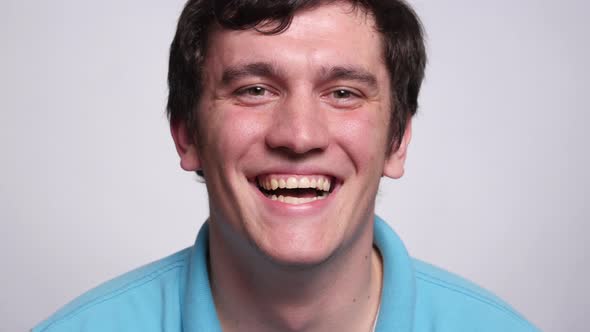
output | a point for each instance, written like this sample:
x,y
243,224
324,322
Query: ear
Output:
x,y
185,146
394,164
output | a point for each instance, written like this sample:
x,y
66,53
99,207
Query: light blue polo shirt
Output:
x,y
173,294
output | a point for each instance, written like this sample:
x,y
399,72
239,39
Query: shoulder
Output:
x,y
144,299
447,302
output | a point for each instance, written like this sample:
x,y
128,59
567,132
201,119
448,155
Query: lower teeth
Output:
x,y
296,200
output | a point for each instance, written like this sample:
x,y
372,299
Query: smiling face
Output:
x,y
293,135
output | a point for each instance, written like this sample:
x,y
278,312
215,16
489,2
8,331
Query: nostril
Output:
x,y
294,154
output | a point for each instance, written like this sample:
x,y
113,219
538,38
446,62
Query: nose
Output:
x,y
299,126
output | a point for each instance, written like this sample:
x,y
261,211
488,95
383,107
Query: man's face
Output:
x,y
307,109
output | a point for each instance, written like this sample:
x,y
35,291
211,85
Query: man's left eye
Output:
x,y
342,93
344,98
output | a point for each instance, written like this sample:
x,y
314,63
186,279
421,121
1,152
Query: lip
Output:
x,y
296,171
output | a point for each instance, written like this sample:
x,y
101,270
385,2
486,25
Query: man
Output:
x,y
292,111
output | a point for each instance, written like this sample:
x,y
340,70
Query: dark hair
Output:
x,y
398,24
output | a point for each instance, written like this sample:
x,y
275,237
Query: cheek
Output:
x,y
362,135
231,132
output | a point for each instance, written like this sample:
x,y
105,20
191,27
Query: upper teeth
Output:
x,y
316,182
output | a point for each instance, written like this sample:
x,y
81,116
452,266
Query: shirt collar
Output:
x,y
198,311
397,294
399,288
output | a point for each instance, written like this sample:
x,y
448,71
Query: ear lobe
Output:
x,y
394,164
185,146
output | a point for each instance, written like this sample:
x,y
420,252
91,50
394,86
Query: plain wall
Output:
x,y
496,185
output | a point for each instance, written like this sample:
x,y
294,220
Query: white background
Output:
x,y
497,180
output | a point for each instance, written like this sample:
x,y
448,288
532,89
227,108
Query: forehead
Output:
x,y
328,35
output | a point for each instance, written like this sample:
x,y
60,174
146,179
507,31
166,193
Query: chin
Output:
x,y
299,260
300,251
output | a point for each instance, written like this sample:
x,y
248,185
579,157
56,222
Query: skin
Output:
x,y
313,100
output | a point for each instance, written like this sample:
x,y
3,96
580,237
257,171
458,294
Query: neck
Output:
x,y
254,294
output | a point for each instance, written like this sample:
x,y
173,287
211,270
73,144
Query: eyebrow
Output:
x,y
265,69
259,69
349,74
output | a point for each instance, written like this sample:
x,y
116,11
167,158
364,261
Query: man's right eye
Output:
x,y
254,95
254,91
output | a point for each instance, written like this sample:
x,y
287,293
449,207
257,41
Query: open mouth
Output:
x,y
295,189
